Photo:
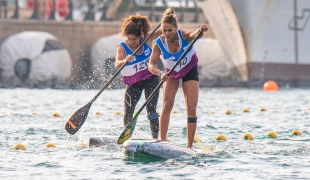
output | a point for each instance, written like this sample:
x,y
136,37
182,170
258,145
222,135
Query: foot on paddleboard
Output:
x,y
191,148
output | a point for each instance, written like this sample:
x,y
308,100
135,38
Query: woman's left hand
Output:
x,y
203,27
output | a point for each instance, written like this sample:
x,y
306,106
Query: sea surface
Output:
x,y
26,117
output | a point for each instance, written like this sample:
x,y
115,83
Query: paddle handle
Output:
x,y
122,67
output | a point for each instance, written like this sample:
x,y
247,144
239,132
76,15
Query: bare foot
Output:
x,y
191,148
163,140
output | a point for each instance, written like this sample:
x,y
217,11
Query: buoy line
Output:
x,y
271,134
218,138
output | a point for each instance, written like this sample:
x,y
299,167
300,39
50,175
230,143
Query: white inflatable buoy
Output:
x,y
103,55
34,58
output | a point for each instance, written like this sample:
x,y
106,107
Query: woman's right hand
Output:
x,y
129,58
164,77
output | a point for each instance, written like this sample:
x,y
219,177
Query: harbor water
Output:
x,y
26,117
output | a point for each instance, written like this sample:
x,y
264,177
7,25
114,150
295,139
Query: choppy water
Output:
x,y
26,118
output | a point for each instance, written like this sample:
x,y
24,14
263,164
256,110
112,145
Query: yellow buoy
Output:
x,y
50,145
296,132
212,112
308,108
245,110
272,134
228,112
117,113
221,137
19,147
263,109
33,113
197,139
174,111
83,145
248,136
56,114
98,113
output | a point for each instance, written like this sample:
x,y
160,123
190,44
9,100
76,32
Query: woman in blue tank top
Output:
x,y
169,47
135,74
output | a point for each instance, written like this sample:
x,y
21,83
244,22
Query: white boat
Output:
x,y
260,37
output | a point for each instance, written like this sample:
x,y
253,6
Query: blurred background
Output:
x,y
72,43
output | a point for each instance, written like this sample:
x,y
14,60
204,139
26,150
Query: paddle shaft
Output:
x,y
122,67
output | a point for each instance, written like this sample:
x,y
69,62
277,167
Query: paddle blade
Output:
x,y
127,132
77,119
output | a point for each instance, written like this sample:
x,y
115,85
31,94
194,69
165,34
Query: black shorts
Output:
x,y
191,75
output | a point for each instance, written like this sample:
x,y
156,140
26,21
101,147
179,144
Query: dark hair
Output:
x,y
169,16
137,25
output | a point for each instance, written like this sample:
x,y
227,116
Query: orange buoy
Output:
x,y
270,86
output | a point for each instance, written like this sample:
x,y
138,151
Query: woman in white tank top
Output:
x,y
169,47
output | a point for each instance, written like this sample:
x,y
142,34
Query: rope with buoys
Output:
x,y
271,134
247,136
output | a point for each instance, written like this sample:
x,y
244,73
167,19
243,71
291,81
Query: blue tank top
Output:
x,y
137,69
189,61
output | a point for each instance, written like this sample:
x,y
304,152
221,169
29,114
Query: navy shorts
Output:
x,y
191,75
